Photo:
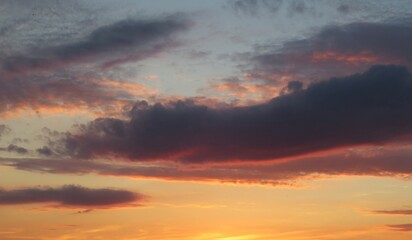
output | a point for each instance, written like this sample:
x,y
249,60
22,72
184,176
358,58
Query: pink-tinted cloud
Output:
x,y
379,162
332,51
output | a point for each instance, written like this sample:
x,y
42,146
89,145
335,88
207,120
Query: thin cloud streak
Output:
x,y
376,162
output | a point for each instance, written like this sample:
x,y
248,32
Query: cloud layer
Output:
x,y
371,108
390,161
333,51
72,75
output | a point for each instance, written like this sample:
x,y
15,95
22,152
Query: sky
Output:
x,y
205,120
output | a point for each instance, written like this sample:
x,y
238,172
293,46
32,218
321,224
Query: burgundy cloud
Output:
x,y
70,196
391,161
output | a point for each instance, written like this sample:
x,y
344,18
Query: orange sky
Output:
x,y
205,120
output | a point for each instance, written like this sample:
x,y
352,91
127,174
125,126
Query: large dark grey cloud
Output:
x,y
333,51
374,107
70,196
127,40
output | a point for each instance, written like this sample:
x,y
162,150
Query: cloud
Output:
x,y
70,196
36,78
63,92
137,39
401,227
239,92
4,130
44,151
390,161
394,212
16,149
254,7
372,108
332,51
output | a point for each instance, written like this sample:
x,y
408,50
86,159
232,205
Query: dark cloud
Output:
x,y
137,39
35,80
374,107
334,50
17,149
44,151
70,196
401,227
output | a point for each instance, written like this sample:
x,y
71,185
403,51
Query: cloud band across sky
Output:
x,y
327,115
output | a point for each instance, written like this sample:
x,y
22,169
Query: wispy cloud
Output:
x,y
387,162
136,39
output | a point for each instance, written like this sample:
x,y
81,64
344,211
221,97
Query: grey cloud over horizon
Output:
x,y
70,196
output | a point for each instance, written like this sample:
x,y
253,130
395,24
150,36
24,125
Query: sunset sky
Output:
x,y
205,120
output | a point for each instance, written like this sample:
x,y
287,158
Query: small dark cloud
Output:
x,y
330,114
12,148
400,227
46,151
84,211
70,196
